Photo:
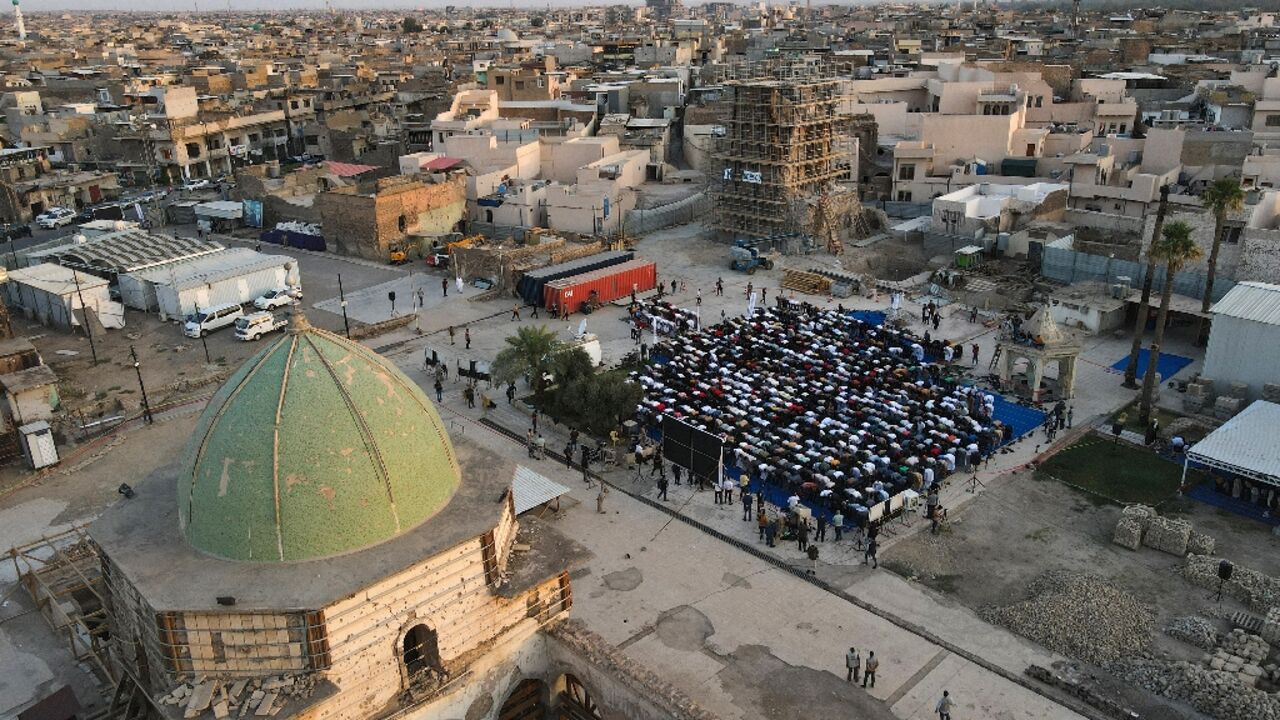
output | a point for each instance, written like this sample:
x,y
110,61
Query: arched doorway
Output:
x,y
576,702
421,651
526,702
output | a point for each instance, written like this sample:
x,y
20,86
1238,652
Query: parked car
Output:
x,y
255,325
279,297
10,231
196,184
55,217
206,321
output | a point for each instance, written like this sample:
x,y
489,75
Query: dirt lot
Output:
x,y
1025,525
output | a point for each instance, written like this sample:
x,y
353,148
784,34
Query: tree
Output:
x,y
1175,249
536,21
1222,197
529,353
1144,307
411,25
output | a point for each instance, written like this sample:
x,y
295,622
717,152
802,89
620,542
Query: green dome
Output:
x,y
315,447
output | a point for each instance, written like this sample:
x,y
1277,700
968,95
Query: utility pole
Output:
x,y
84,311
346,325
146,406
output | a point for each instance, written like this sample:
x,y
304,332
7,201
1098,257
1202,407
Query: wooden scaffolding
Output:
x,y
783,142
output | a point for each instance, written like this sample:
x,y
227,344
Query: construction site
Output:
x,y
783,158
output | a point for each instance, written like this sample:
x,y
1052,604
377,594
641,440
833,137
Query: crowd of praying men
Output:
x,y
841,412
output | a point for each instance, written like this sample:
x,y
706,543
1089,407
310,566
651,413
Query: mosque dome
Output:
x,y
315,447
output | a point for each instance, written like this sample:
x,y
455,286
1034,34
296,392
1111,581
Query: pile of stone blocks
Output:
x,y
1132,526
1199,395
1259,592
1271,392
1167,535
1225,408
1141,525
1244,654
259,697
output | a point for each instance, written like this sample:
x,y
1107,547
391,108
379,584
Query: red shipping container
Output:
x,y
608,283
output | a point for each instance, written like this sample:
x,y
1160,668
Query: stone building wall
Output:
x,y
366,224
452,595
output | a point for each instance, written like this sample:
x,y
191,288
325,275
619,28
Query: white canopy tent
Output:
x,y
1245,445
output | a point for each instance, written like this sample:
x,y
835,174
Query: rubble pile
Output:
x,y
1193,630
1271,626
1082,616
1216,693
1258,591
261,697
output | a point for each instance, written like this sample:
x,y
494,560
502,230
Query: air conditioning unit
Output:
x,y
1119,291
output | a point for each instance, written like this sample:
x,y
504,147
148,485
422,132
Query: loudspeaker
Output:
x,y
1224,570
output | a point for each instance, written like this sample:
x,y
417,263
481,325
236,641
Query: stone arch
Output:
x,y
526,701
420,651
574,699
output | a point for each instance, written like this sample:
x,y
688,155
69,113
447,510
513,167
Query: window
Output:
x,y
421,651
1123,128
500,80
907,172
1231,233
402,223
904,196
519,84
1039,101
293,104
1273,121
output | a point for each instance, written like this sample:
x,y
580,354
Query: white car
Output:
x,y
196,184
279,297
55,218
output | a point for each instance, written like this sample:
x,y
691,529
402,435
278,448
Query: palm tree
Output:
x,y
1175,249
530,352
1144,307
1222,197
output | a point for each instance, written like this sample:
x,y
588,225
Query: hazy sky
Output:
x,y
35,6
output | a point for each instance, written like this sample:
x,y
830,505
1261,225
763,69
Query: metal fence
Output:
x,y
1072,266
498,232
647,220
903,210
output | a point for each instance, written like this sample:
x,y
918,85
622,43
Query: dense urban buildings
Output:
x,y
650,361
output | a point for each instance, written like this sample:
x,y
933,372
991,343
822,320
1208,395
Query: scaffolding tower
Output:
x,y
783,142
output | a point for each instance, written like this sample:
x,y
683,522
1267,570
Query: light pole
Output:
x,y
346,326
88,330
146,406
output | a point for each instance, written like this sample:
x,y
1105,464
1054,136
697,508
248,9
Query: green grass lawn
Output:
x,y
1118,472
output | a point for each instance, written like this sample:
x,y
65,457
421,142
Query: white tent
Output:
x,y
1245,445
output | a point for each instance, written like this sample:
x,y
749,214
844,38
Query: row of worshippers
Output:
x,y
662,318
822,404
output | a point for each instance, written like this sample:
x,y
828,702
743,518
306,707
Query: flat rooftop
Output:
x,y
141,536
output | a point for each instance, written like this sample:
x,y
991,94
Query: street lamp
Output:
x,y
346,326
146,406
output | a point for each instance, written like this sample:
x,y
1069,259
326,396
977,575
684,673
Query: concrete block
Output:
x,y
1271,392
1238,390
1227,407
1167,535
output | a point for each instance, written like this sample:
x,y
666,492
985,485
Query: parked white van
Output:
x,y
205,321
255,325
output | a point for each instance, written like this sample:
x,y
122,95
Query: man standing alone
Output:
x,y
944,706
